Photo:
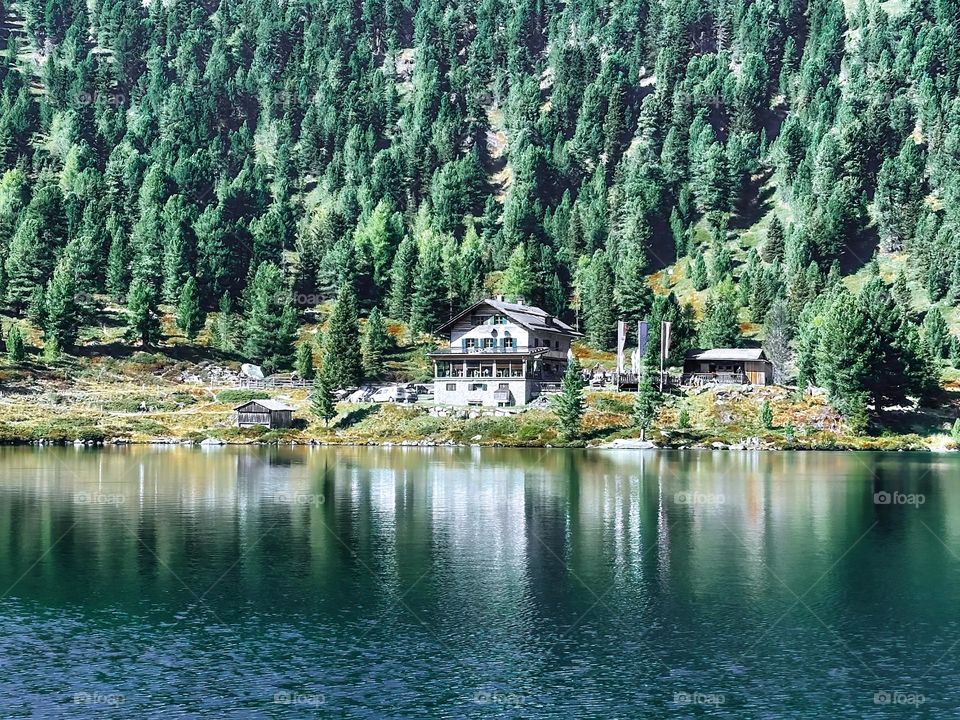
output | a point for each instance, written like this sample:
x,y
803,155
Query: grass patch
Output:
x,y
235,397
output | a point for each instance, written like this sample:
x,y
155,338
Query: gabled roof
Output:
x,y
268,404
529,316
727,354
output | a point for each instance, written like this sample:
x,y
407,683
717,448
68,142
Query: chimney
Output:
x,y
499,298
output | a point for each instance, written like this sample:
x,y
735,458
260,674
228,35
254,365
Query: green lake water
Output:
x,y
469,583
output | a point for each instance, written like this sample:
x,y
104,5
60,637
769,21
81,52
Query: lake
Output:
x,y
473,583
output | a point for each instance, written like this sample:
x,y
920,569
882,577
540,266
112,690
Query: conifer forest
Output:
x,y
776,173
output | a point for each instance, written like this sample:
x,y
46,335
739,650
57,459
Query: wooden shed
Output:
x,y
270,413
746,366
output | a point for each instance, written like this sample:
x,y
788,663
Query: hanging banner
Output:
x,y
643,332
621,343
665,341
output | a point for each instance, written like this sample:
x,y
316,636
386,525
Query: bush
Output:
x,y
236,397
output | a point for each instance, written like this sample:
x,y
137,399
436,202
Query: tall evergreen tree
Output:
x,y
190,317
342,360
143,316
569,404
270,328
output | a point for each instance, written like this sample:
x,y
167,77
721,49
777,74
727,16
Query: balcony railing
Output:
x,y
519,350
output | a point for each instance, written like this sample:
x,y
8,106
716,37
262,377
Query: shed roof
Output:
x,y
268,404
727,354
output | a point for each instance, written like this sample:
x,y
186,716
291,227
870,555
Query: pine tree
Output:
x,y
401,279
271,321
342,360
698,270
900,291
37,307
569,404
646,401
598,302
955,350
374,342
142,313
936,334
633,294
190,318
303,363
683,418
773,248
766,415
518,281
224,328
15,348
720,327
322,401
62,316
955,433
428,288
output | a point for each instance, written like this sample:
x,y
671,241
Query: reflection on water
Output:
x,y
406,582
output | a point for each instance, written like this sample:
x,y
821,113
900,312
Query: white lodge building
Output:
x,y
499,354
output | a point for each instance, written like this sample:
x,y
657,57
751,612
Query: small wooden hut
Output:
x,y
270,413
746,366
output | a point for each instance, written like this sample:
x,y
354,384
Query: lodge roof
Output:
x,y
720,354
529,316
271,405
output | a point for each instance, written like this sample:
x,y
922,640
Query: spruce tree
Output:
x,y
271,322
190,318
598,302
224,327
646,401
342,360
303,363
323,404
373,344
773,248
936,334
766,415
15,348
698,270
569,404
143,316
518,281
401,279
720,327
429,291
62,316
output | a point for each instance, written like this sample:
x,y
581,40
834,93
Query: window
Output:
x,y
474,403
489,342
509,342
558,345
481,319
451,387
474,387
469,343
503,386
500,320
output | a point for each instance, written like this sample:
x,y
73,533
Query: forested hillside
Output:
x,y
781,167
